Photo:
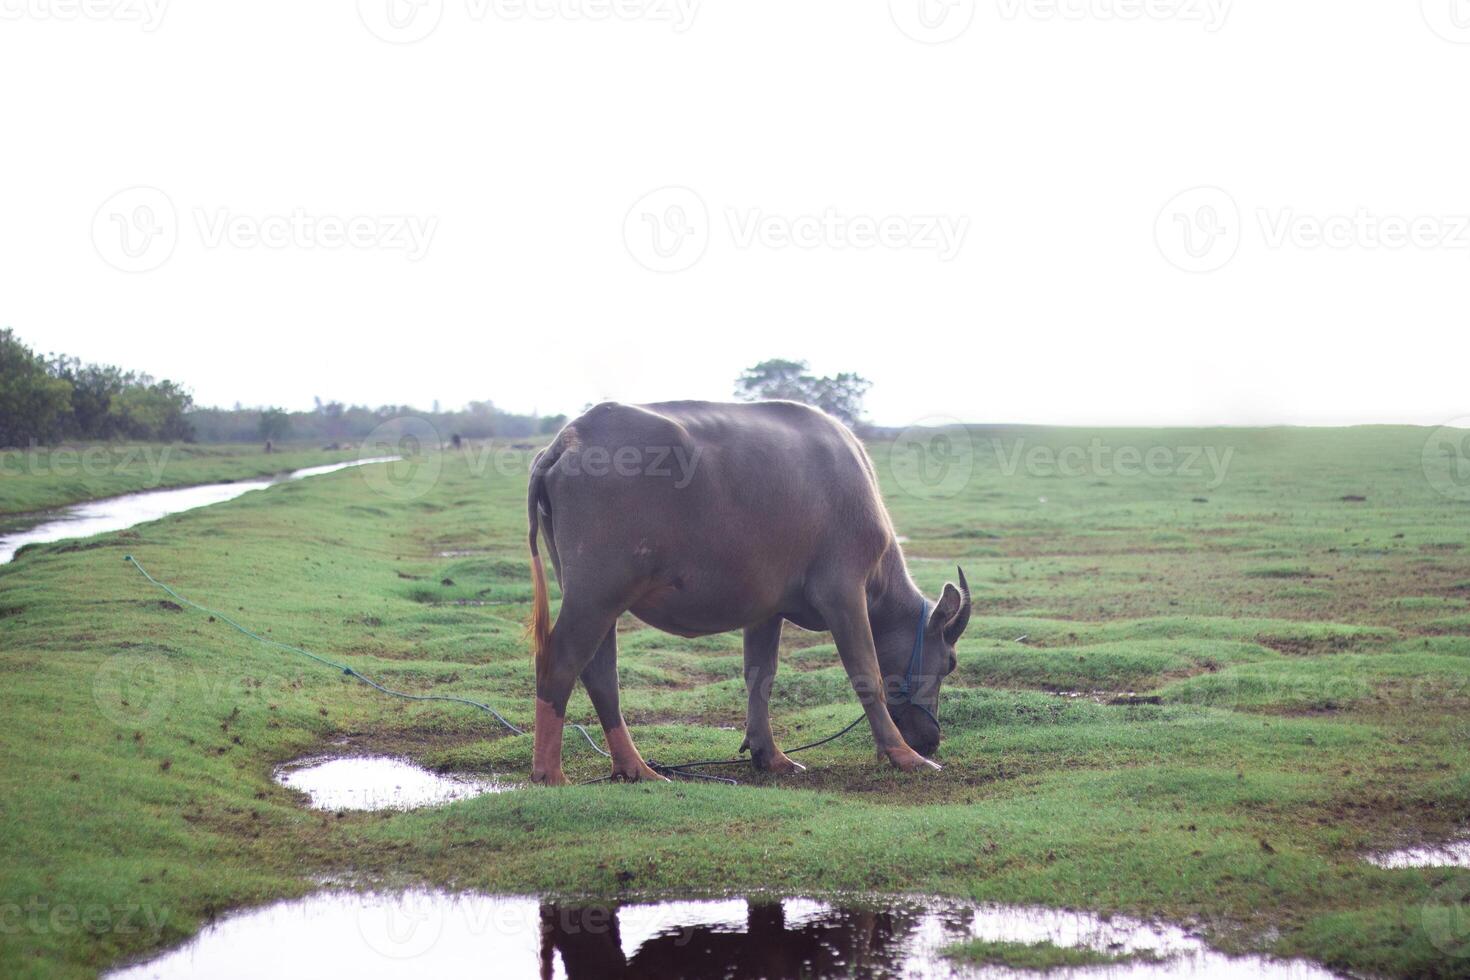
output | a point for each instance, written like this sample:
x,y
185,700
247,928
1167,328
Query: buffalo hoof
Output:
x,y
637,774
554,778
910,761
777,762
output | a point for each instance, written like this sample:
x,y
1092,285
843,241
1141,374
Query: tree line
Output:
x,y
840,395
48,399
44,400
333,423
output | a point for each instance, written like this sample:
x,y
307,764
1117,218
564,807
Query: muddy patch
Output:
x,y
450,935
377,782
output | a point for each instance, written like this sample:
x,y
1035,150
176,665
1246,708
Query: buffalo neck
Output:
x,y
894,601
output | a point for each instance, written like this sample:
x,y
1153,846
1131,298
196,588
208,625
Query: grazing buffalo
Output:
x,y
700,518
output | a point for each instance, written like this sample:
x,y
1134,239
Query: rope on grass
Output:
x,y
680,769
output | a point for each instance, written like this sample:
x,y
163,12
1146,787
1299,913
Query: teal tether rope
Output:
x,y
344,668
684,769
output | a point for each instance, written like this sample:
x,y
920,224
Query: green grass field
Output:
x,y
35,479
1309,653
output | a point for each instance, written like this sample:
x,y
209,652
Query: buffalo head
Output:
x,y
913,682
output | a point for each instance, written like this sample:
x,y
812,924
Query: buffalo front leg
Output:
x,y
600,677
574,640
847,617
762,642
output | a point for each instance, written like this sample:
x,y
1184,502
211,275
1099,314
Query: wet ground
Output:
x,y
1455,854
119,513
379,783
445,935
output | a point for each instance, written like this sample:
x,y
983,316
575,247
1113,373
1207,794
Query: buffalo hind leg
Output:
x,y
847,617
600,677
575,638
762,641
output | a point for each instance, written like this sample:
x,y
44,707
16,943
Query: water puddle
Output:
x,y
119,513
1455,854
1110,698
467,935
379,783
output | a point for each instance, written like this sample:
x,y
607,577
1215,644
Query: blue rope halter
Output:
x,y
916,663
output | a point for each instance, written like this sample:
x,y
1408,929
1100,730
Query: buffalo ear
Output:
x,y
956,628
947,608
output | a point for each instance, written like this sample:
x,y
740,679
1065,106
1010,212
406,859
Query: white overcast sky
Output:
x,y
1056,143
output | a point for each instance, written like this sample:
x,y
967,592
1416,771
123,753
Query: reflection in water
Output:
x,y
118,513
836,943
469,935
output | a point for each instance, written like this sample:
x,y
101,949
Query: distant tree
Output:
x,y
774,379
149,409
840,395
275,424
35,405
93,387
551,424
